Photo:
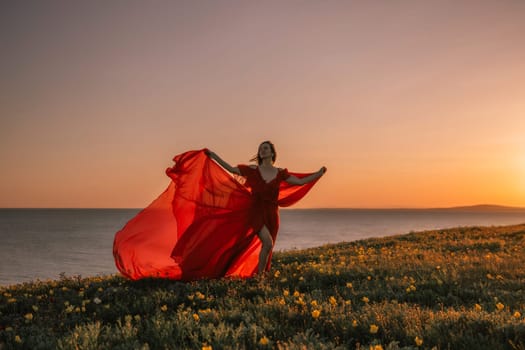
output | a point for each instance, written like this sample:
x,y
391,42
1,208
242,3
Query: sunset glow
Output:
x,y
408,104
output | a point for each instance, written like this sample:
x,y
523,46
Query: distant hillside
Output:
x,y
485,208
481,208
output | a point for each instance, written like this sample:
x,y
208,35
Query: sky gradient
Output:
x,y
407,103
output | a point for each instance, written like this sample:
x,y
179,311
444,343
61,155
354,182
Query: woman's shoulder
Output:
x,y
284,173
245,169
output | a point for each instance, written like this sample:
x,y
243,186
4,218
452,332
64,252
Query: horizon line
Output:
x,y
473,206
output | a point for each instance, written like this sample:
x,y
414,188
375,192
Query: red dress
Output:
x,y
205,224
264,207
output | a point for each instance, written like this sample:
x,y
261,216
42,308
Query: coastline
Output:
x,y
458,288
45,243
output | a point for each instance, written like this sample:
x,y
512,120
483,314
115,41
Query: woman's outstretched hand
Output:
x,y
209,153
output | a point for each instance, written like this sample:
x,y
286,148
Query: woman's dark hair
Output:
x,y
258,157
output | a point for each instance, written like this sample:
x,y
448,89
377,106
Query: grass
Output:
x,y
459,288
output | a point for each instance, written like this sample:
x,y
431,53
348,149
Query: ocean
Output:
x,y
45,243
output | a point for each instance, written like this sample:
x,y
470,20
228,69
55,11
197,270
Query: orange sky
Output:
x,y
408,103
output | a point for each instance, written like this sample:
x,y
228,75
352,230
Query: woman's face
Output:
x,y
265,150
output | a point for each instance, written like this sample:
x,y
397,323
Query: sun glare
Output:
x,y
521,173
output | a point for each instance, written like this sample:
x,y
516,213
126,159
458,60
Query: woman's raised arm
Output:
x,y
294,180
222,163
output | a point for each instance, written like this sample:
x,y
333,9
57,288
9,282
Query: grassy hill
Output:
x,y
459,288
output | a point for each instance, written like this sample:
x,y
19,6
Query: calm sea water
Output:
x,y
43,243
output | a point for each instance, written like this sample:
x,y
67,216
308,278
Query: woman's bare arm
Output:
x,y
294,180
222,163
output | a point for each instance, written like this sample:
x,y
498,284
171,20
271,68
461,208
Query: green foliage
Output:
x,y
448,289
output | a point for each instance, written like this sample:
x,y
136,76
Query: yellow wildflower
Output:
x,y
164,308
354,323
196,317
137,318
277,274
28,316
263,341
282,301
18,339
332,301
300,301
296,294
418,341
286,292
316,313
500,306
349,285
365,299
477,307
517,314
313,303
207,347
373,329
376,347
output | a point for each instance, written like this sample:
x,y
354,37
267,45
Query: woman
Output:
x,y
208,223
264,181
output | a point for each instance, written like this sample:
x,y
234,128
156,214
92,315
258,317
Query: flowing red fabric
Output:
x,y
205,224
